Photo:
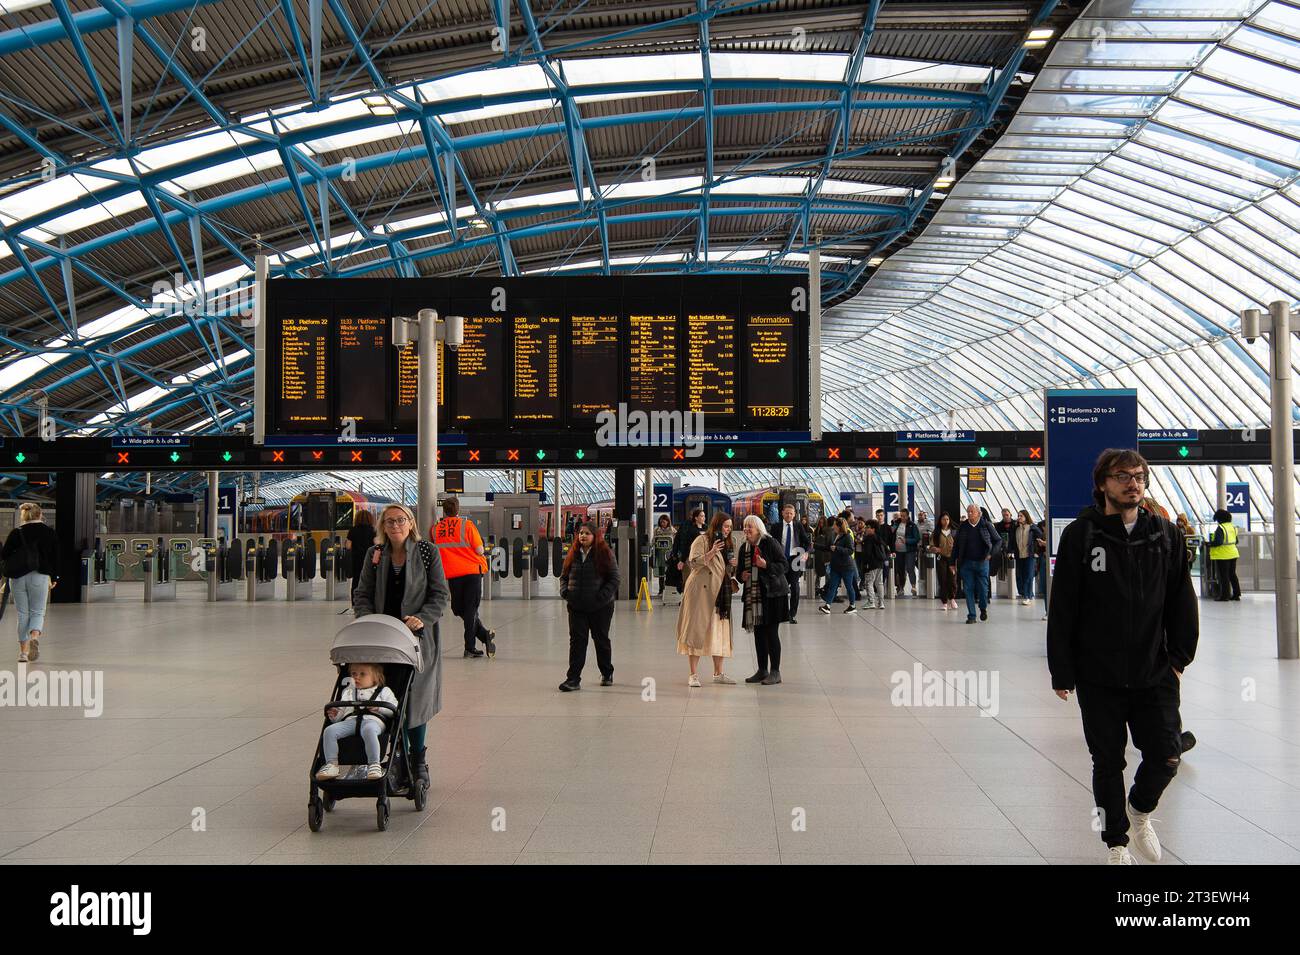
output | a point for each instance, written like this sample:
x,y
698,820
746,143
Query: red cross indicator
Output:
x,y
914,453
512,454
679,454
873,454
832,454
124,457
395,457
1036,454
317,455
277,456
473,455
356,457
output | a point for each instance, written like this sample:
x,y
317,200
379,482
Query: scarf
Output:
x,y
722,603
753,615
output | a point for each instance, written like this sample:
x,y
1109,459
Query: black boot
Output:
x,y
420,768
758,677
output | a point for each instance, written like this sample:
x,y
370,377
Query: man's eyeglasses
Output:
x,y
396,521
1128,477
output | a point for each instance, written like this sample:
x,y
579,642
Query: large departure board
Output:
x,y
656,370
539,354
303,350
480,371
771,397
536,389
594,362
711,364
361,368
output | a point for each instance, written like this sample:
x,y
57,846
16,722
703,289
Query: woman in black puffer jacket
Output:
x,y
588,586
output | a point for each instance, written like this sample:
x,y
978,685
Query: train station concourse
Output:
x,y
776,432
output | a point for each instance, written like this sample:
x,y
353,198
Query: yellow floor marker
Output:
x,y
644,591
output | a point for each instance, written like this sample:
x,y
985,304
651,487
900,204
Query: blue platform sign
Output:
x,y
891,504
1078,425
226,500
1239,500
663,498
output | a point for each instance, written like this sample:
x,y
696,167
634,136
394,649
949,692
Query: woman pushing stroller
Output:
x,y
402,577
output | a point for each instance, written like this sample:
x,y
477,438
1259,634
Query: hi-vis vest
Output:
x,y
457,539
1228,549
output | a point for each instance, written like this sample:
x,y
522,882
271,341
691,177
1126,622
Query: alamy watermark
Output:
x,y
74,689
622,428
921,687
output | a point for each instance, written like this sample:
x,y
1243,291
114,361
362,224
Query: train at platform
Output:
x,y
767,503
318,515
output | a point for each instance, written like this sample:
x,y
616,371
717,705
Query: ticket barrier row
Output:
x,y
524,559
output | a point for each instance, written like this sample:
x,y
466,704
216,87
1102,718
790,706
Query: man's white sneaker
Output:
x,y
1119,855
1143,837
693,681
1026,602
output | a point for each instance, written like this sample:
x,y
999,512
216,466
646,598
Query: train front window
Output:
x,y
344,516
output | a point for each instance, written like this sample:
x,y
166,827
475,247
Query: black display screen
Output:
x,y
771,397
361,367
536,384
594,358
302,386
480,371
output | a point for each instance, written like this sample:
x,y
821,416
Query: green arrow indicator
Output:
x,y
226,456
983,452
1183,452
781,453
730,454
20,457
540,454
580,454
175,456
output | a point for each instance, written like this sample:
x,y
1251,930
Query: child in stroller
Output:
x,y
365,682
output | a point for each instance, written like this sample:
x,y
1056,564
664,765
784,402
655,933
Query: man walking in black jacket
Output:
x,y
1122,626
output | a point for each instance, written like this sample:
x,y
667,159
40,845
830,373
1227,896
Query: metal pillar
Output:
x,y
214,572
902,490
1221,488
427,439
1278,327
558,529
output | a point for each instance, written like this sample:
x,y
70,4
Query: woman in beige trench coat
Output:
x,y
704,623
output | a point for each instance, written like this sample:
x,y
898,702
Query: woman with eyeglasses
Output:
x,y
403,578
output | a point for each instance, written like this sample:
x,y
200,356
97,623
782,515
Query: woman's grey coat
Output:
x,y
426,596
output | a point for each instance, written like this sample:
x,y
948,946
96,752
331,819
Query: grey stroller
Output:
x,y
381,639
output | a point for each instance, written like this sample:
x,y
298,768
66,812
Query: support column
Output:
x,y
558,529
1284,542
210,530
902,491
1221,487
74,527
427,424
624,509
948,493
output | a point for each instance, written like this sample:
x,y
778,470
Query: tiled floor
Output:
x,y
214,708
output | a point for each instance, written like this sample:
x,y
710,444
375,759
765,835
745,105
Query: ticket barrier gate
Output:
x,y
1005,583
293,566
95,587
259,570
216,565
156,569
115,562
333,568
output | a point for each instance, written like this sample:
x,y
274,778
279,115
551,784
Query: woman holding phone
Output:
x,y
766,599
704,623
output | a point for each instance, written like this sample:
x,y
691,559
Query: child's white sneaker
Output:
x,y
1119,855
328,771
375,771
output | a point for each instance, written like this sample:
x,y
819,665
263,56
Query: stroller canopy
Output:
x,y
377,638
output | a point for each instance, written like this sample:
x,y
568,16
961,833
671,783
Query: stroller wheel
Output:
x,y
421,795
381,814
330,803
315,814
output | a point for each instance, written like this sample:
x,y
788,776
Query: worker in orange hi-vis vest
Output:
x,y
461,548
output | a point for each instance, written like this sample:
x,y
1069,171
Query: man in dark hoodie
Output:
x,y
1122,625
